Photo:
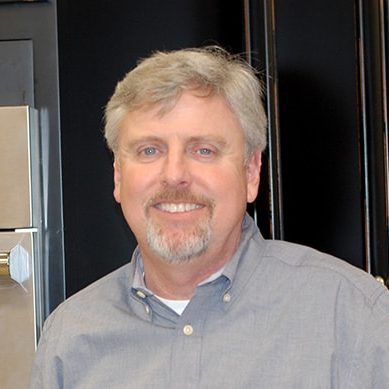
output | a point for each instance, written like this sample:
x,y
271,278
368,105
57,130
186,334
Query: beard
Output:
x,y
183,244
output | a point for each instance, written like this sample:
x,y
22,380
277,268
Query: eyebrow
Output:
x,y
147,139
220,141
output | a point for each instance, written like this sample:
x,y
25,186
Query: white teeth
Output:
x,y
176,208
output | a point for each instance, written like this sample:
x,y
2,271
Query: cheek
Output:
x,y
131,203
129,182
134,188
231,185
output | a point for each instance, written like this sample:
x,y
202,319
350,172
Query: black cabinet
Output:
x,y
332,64
325,174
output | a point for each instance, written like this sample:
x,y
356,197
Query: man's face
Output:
x,y
183,180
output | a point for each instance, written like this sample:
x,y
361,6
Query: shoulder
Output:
x,y
94,302
326,270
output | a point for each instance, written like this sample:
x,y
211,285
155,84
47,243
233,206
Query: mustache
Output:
x,y
183,195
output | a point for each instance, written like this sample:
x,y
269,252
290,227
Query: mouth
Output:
x,y
180,203
178,207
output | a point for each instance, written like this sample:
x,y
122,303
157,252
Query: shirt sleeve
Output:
x,y
47,367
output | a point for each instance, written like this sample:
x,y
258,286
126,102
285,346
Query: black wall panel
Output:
x,y
98,44
318,95
320,129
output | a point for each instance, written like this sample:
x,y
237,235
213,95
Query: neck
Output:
x,y
179,281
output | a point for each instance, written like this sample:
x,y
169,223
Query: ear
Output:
x,y
253,170
116,179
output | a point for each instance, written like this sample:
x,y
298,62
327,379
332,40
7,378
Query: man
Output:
x,y
206,302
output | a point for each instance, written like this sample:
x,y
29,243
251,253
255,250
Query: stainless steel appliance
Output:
x,y
21,311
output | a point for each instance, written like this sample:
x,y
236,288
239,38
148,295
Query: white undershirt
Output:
x,y
179,306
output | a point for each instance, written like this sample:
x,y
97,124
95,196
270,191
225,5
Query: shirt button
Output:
x,y
227,298
147,309
140,294
188,330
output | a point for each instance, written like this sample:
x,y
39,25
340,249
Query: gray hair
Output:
x,y
162,78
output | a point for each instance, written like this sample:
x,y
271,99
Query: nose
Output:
x,y
176,169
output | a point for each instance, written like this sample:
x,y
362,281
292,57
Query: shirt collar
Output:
x,y
138,282
249,228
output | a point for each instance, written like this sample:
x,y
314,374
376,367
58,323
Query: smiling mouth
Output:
x,y
178,202
177,207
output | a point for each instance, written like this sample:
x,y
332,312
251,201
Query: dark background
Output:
x,y
320,129
324,178
318,116
97,45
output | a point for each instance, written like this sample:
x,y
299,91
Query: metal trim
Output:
x,y
371,49
266,8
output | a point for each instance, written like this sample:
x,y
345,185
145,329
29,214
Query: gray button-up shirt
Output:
x,y
280,316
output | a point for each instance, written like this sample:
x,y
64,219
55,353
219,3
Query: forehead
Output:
x,y
191,112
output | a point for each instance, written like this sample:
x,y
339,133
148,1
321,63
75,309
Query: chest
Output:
x,y
238,346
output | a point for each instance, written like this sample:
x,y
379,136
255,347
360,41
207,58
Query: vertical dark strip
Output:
x,y
373,116
261,50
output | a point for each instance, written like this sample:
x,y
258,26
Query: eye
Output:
x,y
149,151
204,151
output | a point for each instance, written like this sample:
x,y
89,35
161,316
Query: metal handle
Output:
x,y
4,264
